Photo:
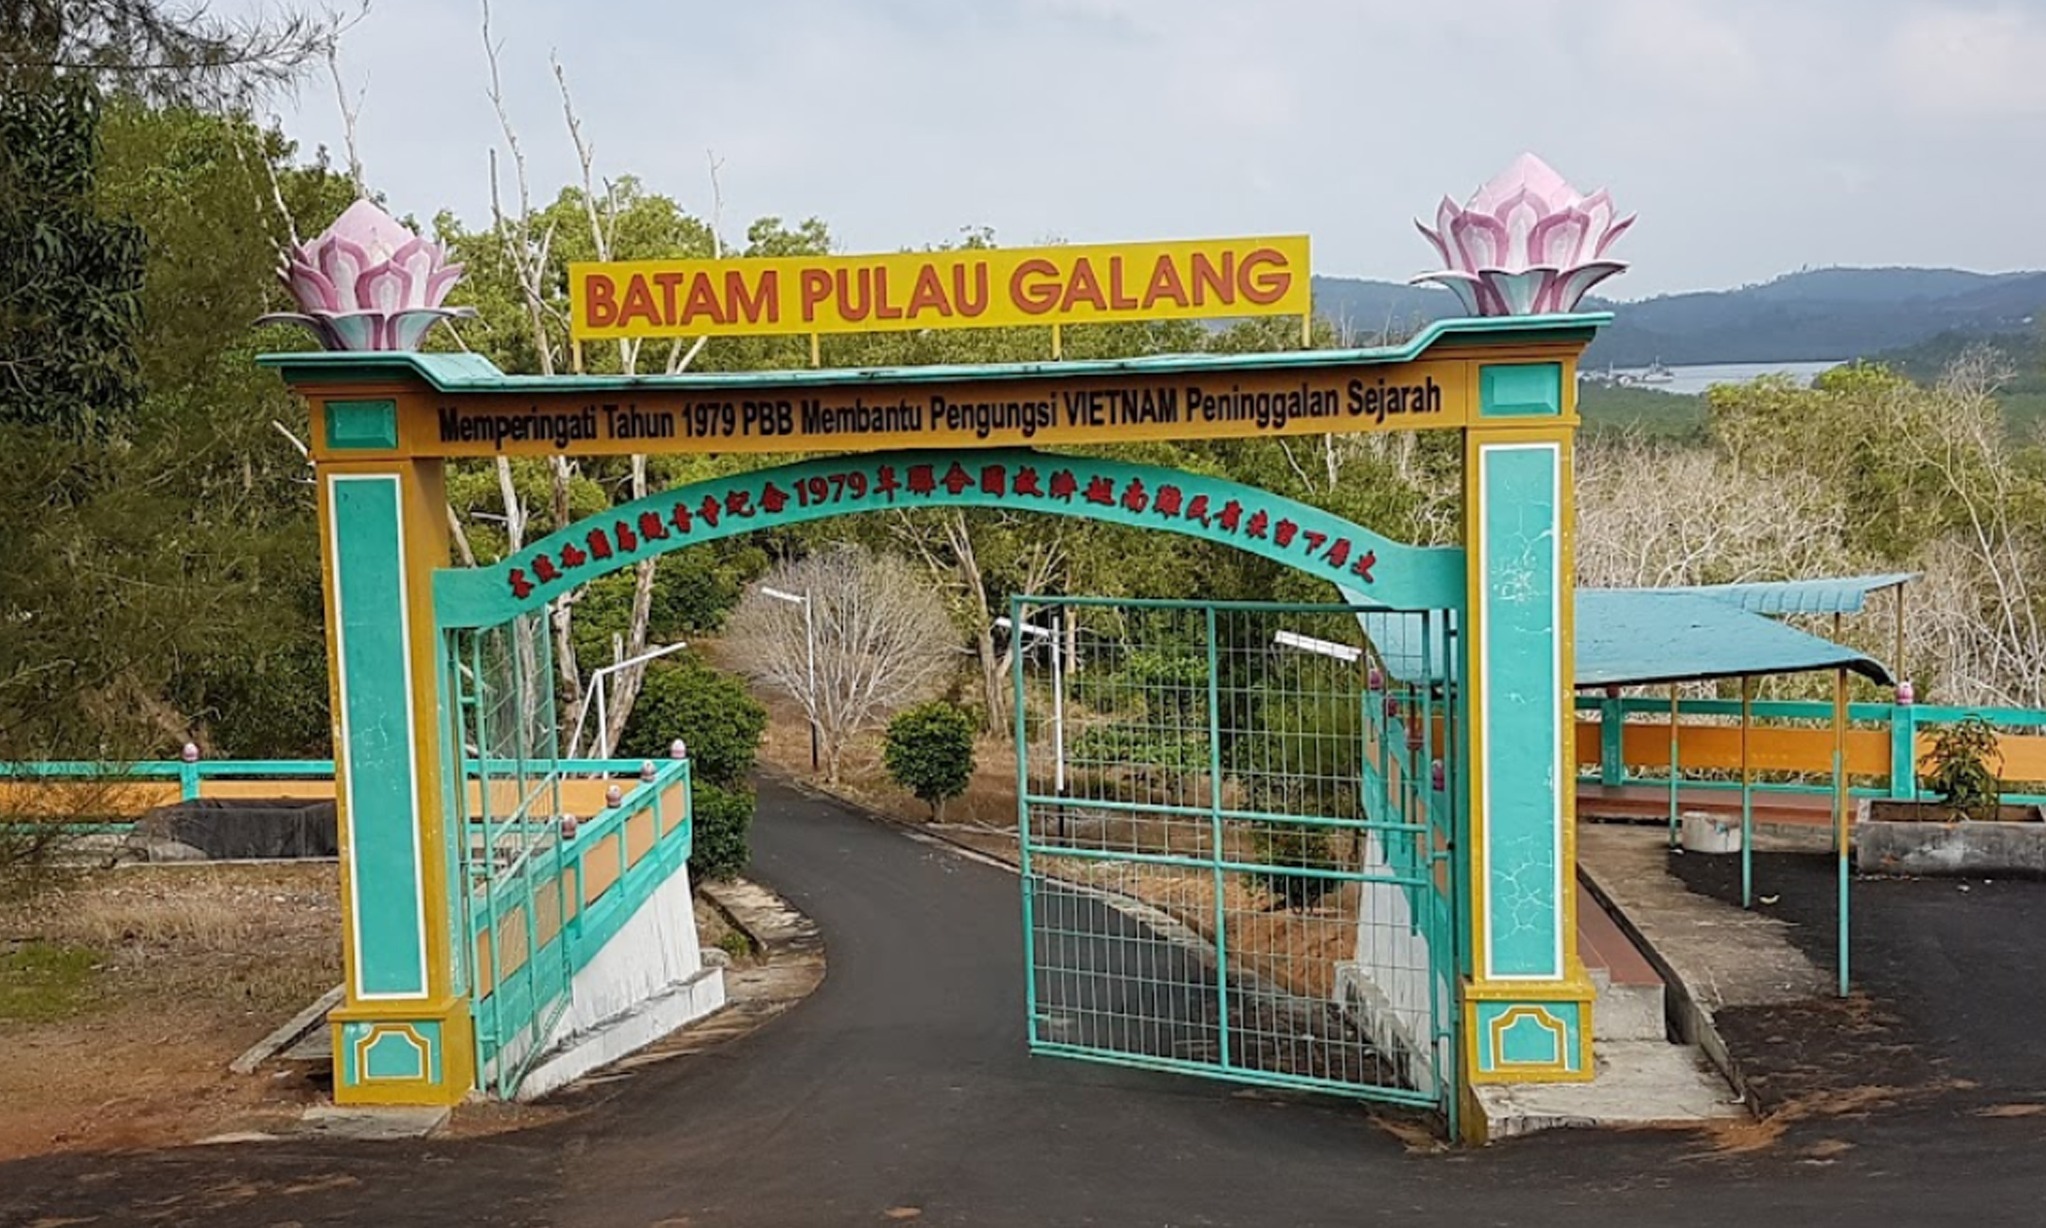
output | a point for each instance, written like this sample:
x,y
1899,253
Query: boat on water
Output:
x,y
1656,374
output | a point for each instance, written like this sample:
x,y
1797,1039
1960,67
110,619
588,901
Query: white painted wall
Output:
x,y
643,984
1389,981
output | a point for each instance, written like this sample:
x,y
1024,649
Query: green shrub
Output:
x,y
709,710
1295,844
1141,746
929,751
722,819
1957,767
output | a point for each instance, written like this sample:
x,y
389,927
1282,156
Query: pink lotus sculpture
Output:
x,y
368,283
1526,244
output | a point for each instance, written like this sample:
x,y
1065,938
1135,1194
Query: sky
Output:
x,y
1752,137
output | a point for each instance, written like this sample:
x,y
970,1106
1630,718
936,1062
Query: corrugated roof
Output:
x,y
1842,595
1637,637
1633,637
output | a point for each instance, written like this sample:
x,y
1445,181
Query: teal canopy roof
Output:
x,y
1844,595
1633,637
1638,637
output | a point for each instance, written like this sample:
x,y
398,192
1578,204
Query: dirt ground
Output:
x,y
125,993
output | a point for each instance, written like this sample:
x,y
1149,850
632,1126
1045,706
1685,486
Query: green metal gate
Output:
x,y
513,896
1238,841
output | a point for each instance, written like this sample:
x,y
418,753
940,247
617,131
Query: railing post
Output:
x,y
188,773
1904,745
1612,761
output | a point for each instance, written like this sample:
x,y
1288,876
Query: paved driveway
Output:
x,y
901,1092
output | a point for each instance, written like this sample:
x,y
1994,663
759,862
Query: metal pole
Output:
x,y
1673,808
1747,798
1840,802
810,647
603,724
1216,853
1058,708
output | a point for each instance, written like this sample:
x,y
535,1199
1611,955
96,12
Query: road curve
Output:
x,y
901,1091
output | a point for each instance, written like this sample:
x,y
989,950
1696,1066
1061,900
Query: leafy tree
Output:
x,y
70,275
709,710
928,750
155,50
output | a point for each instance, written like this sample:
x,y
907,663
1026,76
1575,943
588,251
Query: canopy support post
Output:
x,y
1840,803
1747,797
1673,815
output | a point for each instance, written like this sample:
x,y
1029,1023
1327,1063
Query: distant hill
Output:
x,y
1809,315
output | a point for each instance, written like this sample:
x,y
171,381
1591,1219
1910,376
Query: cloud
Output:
x,y
1970,63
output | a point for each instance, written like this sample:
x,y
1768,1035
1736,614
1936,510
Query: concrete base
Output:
x,y
627,1033
369,1124
1965,849
1626,1012
1710,833
1639,1083
647,981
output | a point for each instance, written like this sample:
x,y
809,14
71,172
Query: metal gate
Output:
x,y
1238,844
512,890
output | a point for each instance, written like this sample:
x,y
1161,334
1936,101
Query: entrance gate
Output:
x,y
1238,842
511,900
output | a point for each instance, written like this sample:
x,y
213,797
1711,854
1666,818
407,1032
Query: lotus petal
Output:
x,y
1441,246
1600,209
356,330
1463,285
1613,232
442,281
309,287
1517,290
1519,215
1480,242
1570,286
372,231
386,288
313,324
1527,174
1558,240
418,259
344,262
406,329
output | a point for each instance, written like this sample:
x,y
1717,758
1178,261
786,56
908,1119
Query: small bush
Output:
x,y
1295,844
709,710
723,817
1958,767
929,751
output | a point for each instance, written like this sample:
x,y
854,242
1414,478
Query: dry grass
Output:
x,y
188,966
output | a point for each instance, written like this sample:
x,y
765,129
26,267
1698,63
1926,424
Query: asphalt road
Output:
x,y
901,1091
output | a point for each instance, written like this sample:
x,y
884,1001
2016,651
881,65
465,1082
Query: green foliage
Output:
x,y
1958,769
1649,411
709,710
694,589
722,817
928,750
1294,844
42,981
1134,744
70,274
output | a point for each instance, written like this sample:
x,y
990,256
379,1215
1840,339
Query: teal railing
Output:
x,y
1902,725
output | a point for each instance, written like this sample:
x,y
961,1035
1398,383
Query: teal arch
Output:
x,y
1368,566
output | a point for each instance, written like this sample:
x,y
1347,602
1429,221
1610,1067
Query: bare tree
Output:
x,y
883,640
1651,515
165,52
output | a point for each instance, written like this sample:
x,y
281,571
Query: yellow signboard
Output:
x,y
1097,409
968,288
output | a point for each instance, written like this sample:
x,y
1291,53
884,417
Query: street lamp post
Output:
x,y
1058,692
596,692
810,651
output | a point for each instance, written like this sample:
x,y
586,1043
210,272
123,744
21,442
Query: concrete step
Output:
x,y
1627,1012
